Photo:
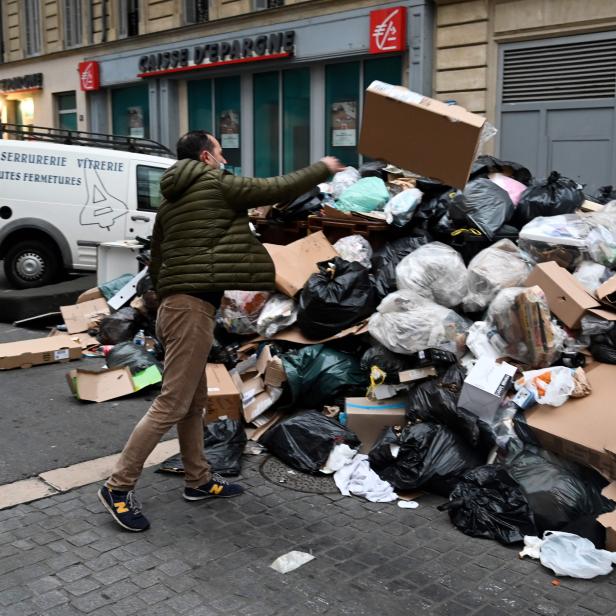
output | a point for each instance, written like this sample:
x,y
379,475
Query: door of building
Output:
x,y
558,107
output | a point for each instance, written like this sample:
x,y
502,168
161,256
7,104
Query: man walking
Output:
x,y
201,246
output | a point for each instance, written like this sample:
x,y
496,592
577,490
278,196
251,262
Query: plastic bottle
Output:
x,y
139,338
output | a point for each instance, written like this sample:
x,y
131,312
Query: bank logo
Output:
x,y
89,76
388,30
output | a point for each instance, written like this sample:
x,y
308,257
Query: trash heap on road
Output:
x,y
453,335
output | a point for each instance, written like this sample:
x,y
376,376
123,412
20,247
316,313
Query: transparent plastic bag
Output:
x,y
525,330
278,313
591,275
355,248
406,323
342,180
500,266
240,310
602,236
400,209
551,386
436,272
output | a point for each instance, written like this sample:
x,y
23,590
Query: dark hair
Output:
x,y
193,143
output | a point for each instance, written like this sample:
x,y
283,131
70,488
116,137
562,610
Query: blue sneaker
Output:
x,y
124,509
216,487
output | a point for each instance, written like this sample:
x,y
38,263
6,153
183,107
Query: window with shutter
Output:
x,y
197,11
32,27
72,23
576,70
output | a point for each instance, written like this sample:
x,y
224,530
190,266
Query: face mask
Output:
x,y
221,165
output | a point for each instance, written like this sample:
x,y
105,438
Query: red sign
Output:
x,y
89,75
388,30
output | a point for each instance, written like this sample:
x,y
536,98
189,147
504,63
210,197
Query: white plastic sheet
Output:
x,y
278,313
290,561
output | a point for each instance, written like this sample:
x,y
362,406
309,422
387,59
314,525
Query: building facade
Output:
x,y
282,81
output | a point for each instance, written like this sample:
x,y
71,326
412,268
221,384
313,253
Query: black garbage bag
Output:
x,y
304,441
340,295
431,209
119,326
226,355
131,355
386,259
300,208
484,165
603,352
469,243
223,443
436,400
558,491
318,374
430,456
484,205
605,194
389,362
549,197
374,168
488,502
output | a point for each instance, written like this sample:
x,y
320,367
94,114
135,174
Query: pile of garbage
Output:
x,y
469,352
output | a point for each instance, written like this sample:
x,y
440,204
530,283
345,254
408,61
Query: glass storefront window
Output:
x,y
342,111
66,105
130,111
266,124
387,69
228,106
200,105
296,119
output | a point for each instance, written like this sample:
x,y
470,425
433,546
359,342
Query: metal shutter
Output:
x,y
578,70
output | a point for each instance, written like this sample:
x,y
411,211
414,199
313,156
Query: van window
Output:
x,y
148,187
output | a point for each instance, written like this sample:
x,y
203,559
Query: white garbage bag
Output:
x,y
400,208
278,313
355,248
436,272
342,180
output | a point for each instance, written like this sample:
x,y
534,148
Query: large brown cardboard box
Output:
x,y
582,429
607,292
296,262
367,418
420,134
566,297
224,398
49,350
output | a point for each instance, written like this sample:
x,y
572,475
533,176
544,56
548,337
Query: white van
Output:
x,y
59,202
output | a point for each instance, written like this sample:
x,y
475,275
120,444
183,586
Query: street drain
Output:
x,y
279,473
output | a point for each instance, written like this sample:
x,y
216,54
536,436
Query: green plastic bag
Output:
x,y
317,375
109,289
366,195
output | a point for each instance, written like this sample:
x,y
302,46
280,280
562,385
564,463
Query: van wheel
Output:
x,y
31,264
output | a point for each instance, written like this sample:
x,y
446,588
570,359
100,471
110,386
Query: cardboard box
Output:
x,y
591,206
608,520
607,292
271,368
367,418
411,130
80,317
224,398
485,387
296,262
49,350
566,297
408,376
582,429
89,295
100,385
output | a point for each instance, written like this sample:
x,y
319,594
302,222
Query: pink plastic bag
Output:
x,y
513,187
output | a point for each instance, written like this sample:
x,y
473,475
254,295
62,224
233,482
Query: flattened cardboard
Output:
x,y
367,418
296,262
269,419
271,368
90,294
408,376
566,297
101,385
408,130
582,429
591,206
293,334
79,316
224,398
49,350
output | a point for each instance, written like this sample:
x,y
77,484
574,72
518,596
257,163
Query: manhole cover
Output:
x,y
279,473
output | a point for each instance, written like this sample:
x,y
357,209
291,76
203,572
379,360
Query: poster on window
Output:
x,y
344,124
229,129
136,126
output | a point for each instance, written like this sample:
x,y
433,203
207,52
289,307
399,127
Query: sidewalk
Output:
x,y
63,556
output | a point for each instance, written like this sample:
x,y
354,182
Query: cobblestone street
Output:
x,y
64,556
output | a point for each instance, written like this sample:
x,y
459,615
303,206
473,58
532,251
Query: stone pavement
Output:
x,y
64,556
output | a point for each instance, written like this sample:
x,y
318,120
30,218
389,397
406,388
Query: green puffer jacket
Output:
x,y
202,242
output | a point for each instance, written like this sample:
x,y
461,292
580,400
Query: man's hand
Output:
x,y
333,164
